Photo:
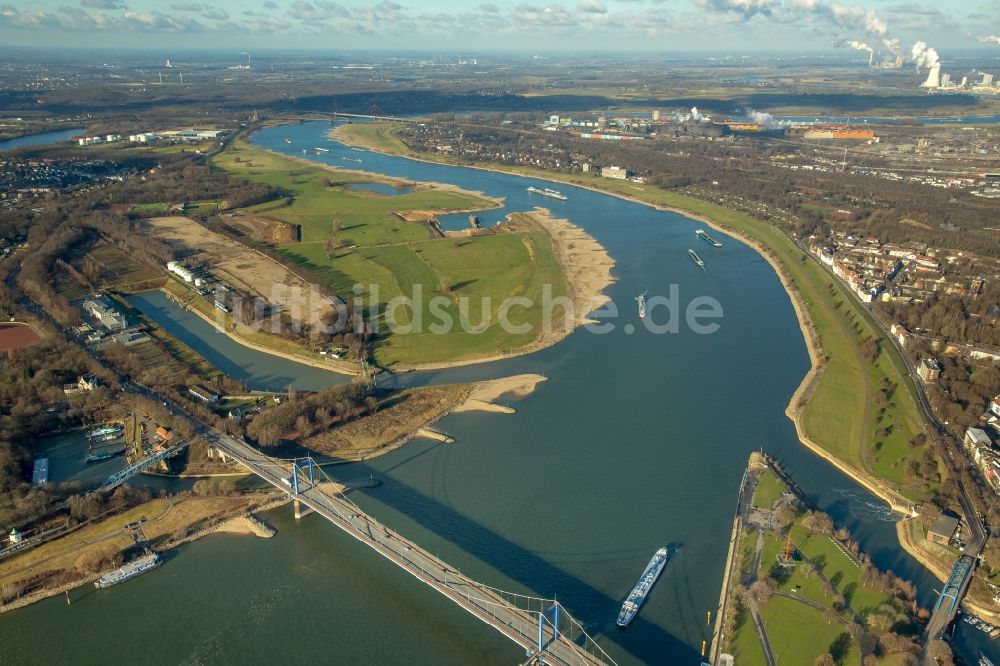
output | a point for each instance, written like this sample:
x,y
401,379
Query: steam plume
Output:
x,y
924,56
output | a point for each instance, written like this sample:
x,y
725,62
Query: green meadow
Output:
x,y
357,237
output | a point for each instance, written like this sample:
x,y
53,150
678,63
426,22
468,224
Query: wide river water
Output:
x,y
42,139
635,441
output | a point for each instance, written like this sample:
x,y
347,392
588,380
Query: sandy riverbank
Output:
x,y
586,267
485,394
395,431
247,524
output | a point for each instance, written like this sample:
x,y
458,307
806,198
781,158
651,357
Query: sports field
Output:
x,y
16,336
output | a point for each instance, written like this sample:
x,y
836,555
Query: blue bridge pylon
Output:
x,y
307,466
550,616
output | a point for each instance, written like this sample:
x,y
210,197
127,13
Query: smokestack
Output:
x,y
871,56
933,78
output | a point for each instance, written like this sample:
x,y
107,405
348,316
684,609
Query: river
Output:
x,y
42,139
636,440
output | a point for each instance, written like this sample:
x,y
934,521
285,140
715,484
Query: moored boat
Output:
x,y
708,239
105,430
641,300
130,570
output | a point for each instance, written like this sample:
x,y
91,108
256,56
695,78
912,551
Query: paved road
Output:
x,y
762,634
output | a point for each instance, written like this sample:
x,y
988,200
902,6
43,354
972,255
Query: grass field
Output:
x,y
842,414
799,634
391,258
164,518
150,208
366,218
810,593
769,489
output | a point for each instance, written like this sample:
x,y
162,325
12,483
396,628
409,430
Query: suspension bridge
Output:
x,y
546,631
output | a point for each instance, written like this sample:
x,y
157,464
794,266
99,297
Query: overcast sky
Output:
x,y
435,25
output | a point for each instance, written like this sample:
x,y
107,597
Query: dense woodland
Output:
x,y
951,318
32,403
301,416
31,398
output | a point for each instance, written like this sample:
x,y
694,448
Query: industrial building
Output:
x,y
615,172
836,133
203,394
105,313
943,529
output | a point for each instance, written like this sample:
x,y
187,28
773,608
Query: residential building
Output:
x,y
976,438
929,370
995,406
80,385
899,332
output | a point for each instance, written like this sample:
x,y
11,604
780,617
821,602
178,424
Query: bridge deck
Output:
x,y
518,625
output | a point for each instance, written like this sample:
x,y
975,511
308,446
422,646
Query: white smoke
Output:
x,y
891,44
989,39
760,117
923,56
849,17
694,116
860,46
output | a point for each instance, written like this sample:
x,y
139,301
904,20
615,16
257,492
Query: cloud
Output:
x,y
512,22
591,7
989,39
217,14
79,20
103,4
744,8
